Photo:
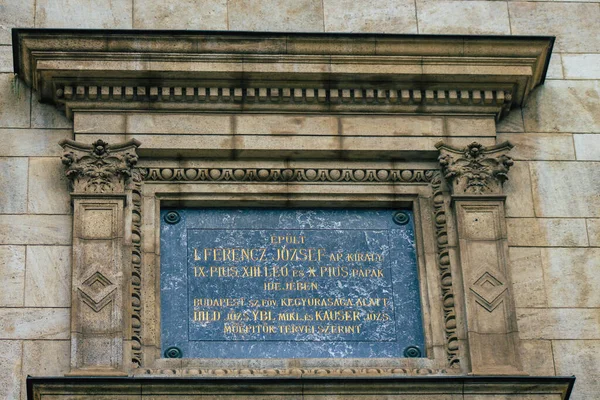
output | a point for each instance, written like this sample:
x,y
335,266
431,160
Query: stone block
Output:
x,y
527,277
540,146
565,189
48,282
392,126
582,359
13,185
470,126
100,14
285,125
587,146
575,25
99,123
564,106
35,229
555,67
571,277
200,124
12,275
382,16
460,17
581,66
593,230
47,116
14,102
34,323
513,122
15,14
6,59
536,356
48,187
181,14
519,201
10,369
32,142
276,15
558,323
45,358
540,232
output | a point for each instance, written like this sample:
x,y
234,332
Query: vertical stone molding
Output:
x,y
99,174
475,175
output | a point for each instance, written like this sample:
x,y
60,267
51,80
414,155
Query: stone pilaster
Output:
x,y
99,175
475,175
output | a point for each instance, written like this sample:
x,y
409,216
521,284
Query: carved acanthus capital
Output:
x,y
99,167
475,169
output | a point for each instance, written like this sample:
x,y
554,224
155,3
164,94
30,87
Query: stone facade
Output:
x,y
552,206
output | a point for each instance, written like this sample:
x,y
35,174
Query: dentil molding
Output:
x,y
279,72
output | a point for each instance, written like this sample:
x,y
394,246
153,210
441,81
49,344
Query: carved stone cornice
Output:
x,y
475,169
99,167
283,72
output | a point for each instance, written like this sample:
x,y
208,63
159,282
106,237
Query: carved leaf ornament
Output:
x,y
99,168
476,169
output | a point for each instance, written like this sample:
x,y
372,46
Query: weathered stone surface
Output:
x,y
48,187
564,106
527,277
6,60
45,358
513,122
35,229
178,124
32,142
385,16
459,17
456,126
555,67
99,123
559,323
581,66
540,146
34,323
565,189
593,230
103,14
582,359
48,282
519,201
12,275
13,185
14,102
47,116
537,357
392,126
181,14
276,15
575,25
285,125
554,232
571,277
15,14
10,368
587,146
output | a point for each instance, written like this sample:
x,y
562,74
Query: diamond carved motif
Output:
x,y
97,291
488,291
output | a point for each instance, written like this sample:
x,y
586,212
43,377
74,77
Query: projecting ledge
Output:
x,y
280,72
442,387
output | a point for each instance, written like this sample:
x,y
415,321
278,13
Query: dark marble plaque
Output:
x,y
289,283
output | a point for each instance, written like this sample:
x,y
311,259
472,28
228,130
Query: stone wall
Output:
x,y
553,205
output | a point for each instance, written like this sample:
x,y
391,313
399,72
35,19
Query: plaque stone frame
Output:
x,y
414,188
122,178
